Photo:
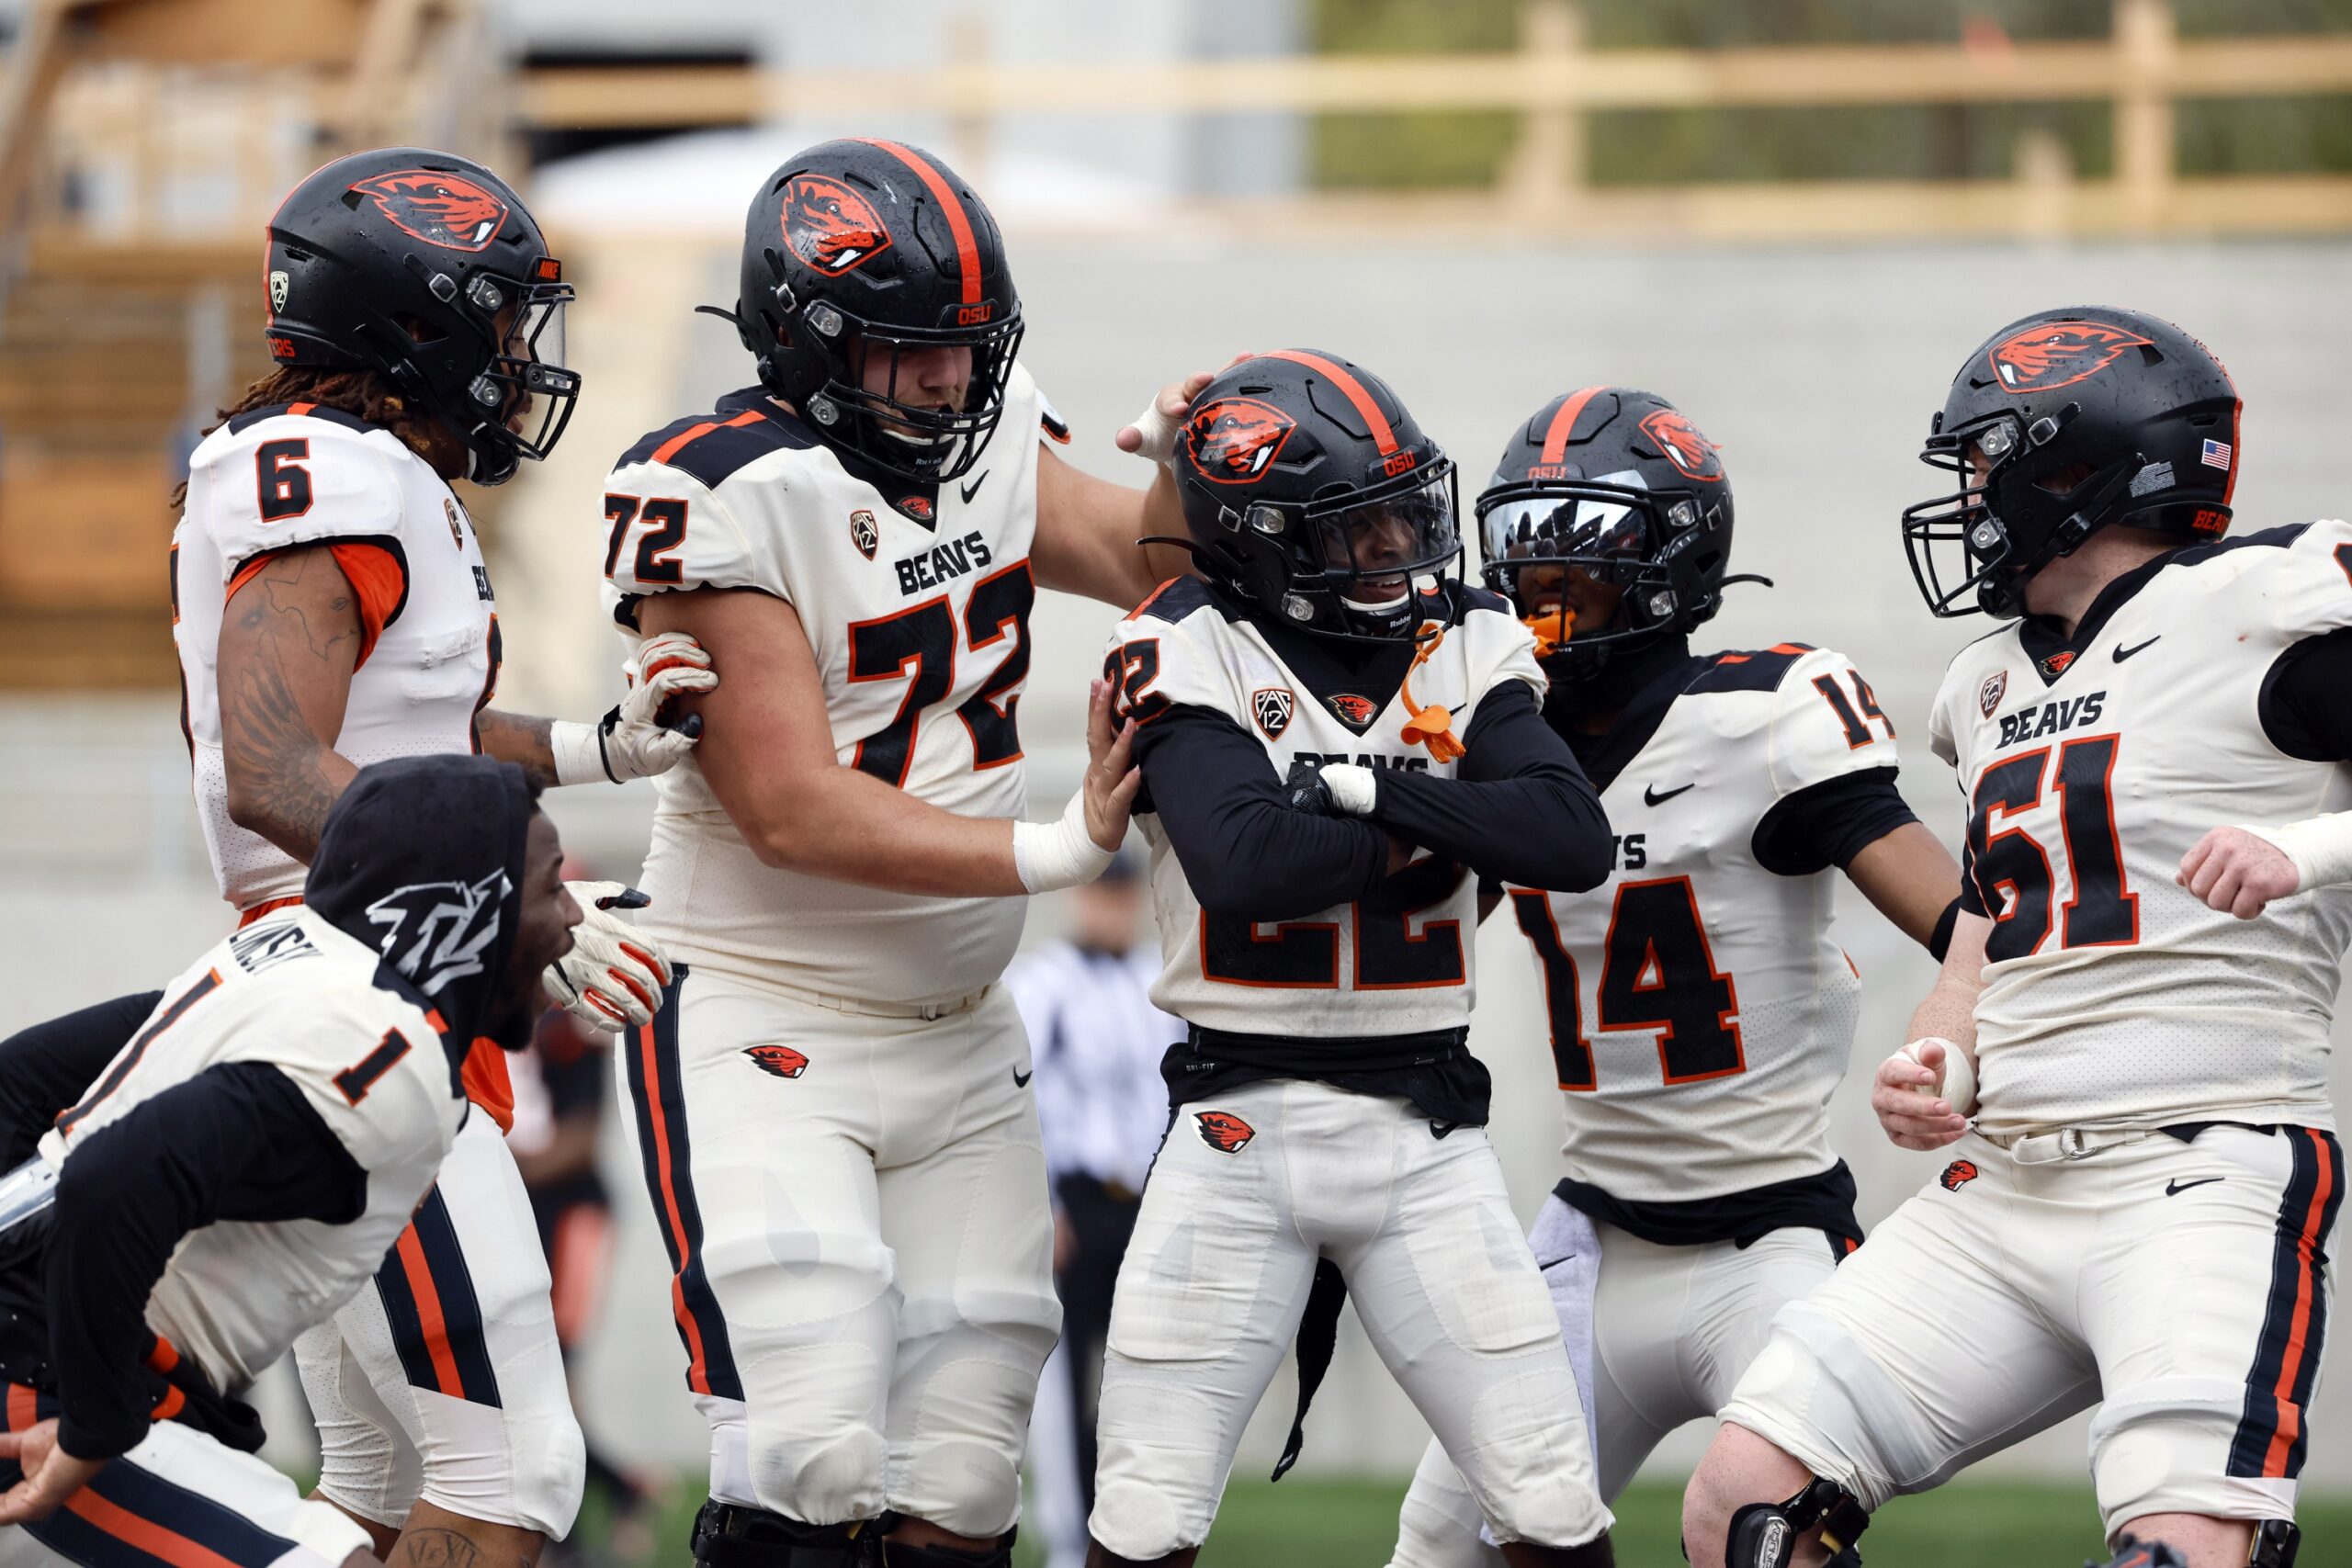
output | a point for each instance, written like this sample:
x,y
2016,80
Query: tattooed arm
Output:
x,y
289,641
522,740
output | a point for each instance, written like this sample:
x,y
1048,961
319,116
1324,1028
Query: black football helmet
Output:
x,y
1311,495
427,269
1616,483
2080,418
863,247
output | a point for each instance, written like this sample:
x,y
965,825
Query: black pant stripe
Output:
x,y
2315,1155
460,1305
664,1144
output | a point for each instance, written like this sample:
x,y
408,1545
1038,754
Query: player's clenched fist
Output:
x,y
1908,1093
613,977
2237,871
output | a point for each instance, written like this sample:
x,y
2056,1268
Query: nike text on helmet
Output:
x,y
863,252
1311,495
2057,427
1618,484
426,268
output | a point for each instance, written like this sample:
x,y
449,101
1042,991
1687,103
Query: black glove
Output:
x,y
1305,790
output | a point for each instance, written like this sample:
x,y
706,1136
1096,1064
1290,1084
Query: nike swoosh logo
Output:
x,y
1542,1267
2173,1187
1021,1079
1650,797
2122,653
969,490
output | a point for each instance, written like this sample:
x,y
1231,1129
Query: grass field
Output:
x,y
1309,1523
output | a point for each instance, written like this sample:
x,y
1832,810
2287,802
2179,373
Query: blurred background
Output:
x,y
1792,217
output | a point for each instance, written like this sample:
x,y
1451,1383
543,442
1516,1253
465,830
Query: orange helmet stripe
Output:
x,y
1563,423
959,222
1351,389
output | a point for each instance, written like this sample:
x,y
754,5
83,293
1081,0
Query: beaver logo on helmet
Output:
x,y
438,209
1692,454
780,1061
1223,1131
830,226
1234,441
2049,354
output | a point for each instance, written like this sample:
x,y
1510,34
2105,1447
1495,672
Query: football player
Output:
x,y
1700,1014
834,1104
239,1170
2132,1081
331,608
1339,737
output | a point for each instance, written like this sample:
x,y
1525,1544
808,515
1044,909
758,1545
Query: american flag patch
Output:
x,y
2216,454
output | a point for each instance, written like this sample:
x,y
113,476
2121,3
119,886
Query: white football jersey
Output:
x,y
2112,997
270,479
1399,962
916,602
294,992
1700,1016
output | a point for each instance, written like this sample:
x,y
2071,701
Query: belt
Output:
x,y
878,1009
2066,1143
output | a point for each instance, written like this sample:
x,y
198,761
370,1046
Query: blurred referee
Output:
x,y
1095,1043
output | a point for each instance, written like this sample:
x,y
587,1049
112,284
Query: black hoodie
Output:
x,y
422,860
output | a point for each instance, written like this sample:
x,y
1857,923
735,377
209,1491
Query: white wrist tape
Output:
x,y
579,752
2321,847
1047,855
1158,433
1959,1074
1353,788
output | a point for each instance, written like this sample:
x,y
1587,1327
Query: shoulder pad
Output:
x,y
1752,669
2280,538
238,423
1179,597
1474,598
709,447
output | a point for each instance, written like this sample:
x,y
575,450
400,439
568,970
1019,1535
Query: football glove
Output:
x,y
1305,790
633,741
613,977
1332,789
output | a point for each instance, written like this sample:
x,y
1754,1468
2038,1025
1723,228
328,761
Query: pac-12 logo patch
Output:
x,y
1989,694
1235,440
1223,1131
1271,706
2049,354
279,287
780,1061
863,533
438,209
1355,712
1958,1174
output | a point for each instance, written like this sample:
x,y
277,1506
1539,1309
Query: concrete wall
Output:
x,y
1817,370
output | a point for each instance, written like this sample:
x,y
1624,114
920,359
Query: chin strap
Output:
x,y
1431,727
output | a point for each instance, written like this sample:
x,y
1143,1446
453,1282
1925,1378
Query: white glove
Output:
x,y
630,742
613,977
1354,789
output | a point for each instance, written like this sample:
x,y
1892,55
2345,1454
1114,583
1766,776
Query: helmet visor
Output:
x,y
1378,544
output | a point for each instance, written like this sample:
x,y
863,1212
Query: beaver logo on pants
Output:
x,y
781,1060
1223,1131
1958,1174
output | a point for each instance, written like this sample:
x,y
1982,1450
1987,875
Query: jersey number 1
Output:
x,y
1656,972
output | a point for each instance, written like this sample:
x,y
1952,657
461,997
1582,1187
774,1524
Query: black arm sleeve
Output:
x,y
1244,850
2305,707
1829,823
48,1067
236,1142
1519,810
